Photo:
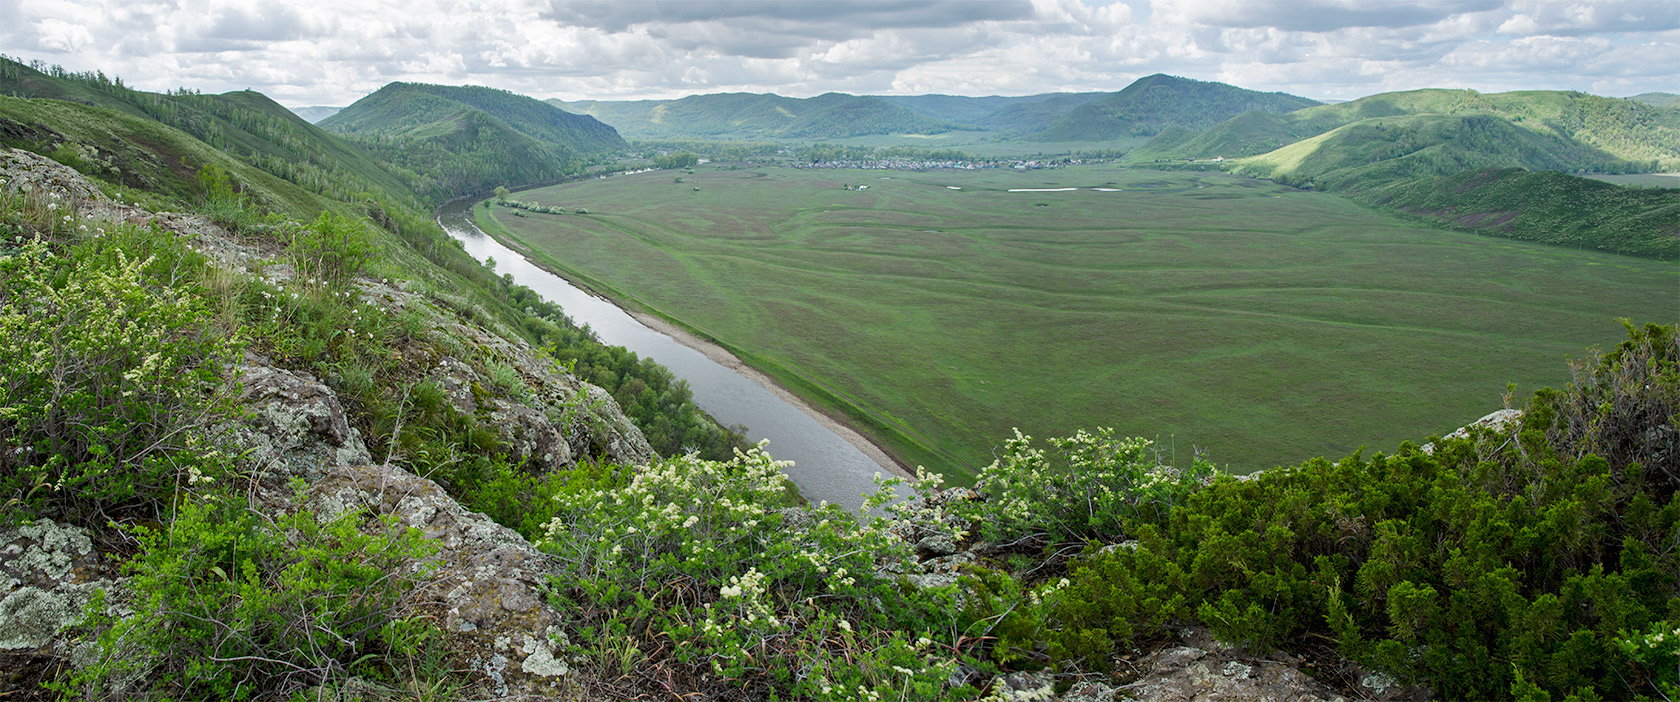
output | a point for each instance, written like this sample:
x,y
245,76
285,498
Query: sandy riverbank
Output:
x,y
723,357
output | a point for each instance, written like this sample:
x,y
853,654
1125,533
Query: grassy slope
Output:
x,y
1264,323
1157,102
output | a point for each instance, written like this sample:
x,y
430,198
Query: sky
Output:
x,y
332,52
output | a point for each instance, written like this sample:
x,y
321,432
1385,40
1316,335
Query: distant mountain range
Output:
x,y
759,116
316,113
1488,162
1658,99
1144,108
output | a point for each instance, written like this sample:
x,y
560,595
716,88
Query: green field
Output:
x,y
1264,324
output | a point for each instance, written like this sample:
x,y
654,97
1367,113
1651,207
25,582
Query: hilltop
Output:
x,y
1158,102
448,140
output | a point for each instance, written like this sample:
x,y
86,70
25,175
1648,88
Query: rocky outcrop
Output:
x,y
486,589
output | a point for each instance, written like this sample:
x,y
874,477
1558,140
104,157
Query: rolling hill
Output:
x,y
759,116
448,140
1158,102
1641,136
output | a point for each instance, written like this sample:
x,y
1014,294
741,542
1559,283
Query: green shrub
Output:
x,y
108,373
1515,561
333,249
1086,486
231,606
687,571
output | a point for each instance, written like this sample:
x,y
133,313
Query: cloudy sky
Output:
x,y
331,52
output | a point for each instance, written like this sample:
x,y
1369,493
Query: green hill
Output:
x,y
1386,148
447,140
760,116
1494,164
1644,137
1155,103
1544,206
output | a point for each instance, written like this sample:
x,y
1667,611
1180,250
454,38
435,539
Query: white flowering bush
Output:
x,y
689,571
110,365
1657,651
1085,486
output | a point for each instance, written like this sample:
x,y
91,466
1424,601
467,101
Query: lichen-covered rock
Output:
x,y
32,173
48,572
1200,669
532,435
1498,420
487,589
295,424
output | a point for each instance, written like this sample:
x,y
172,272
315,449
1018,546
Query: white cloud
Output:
x,y
320,52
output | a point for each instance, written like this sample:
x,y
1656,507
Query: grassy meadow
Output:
x,y
1264,324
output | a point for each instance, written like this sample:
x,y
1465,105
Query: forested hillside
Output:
x,y
447,141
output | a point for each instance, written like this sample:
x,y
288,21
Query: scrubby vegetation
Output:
x,y
1523,561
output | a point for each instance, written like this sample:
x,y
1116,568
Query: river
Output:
x,y
825,465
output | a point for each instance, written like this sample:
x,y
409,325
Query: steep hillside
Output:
x,y
759,116
1644,137
447,140
244,125
1155,103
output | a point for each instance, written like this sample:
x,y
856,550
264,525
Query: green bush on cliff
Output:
x,y
234,605
1530,557
111,369
687,571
